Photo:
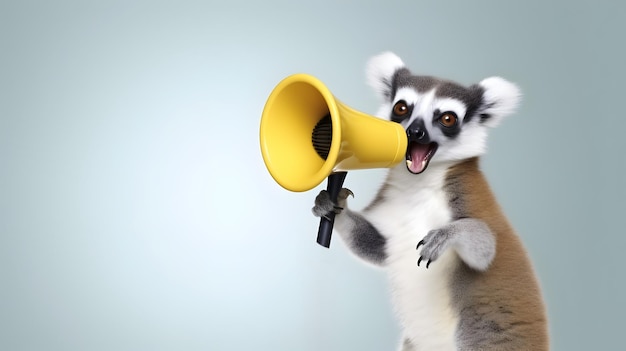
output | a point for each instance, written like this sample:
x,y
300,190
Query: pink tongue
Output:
x,y
418,154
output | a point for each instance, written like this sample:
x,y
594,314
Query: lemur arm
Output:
x,y
471,238
356,231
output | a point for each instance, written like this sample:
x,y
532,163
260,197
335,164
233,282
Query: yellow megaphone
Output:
x,y
307,135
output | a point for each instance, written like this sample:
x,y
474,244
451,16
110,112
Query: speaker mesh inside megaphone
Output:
x,y
323,136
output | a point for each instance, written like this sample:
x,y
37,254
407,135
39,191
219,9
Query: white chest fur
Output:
x,y
421,296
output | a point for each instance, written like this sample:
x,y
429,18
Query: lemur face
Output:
x,y
444,121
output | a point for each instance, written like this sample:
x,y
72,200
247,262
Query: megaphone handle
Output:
x,y
335,183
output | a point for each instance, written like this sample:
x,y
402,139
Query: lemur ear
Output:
x,y
380,72
500,98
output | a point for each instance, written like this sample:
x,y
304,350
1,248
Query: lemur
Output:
x,y
460,277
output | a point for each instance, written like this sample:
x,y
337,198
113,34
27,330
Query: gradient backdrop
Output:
x,y
136,212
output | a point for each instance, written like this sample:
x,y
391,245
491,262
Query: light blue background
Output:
x,y
136,212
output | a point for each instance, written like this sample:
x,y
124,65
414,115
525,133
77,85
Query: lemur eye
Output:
x,y
448,119
400,108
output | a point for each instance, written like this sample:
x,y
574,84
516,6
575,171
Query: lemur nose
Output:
x,y
416,133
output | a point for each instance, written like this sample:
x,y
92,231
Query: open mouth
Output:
x,y
418,155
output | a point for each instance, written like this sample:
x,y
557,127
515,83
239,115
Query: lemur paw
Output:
x,y
433,245
324,205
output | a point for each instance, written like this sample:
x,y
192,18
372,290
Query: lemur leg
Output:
x,y
471,238
356,231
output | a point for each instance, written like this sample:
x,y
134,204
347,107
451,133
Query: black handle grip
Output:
x,y
335,183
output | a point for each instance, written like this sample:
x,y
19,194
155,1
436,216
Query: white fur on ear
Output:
x,y
500,98
380,71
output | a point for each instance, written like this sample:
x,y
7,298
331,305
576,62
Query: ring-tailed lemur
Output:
x,y
469,285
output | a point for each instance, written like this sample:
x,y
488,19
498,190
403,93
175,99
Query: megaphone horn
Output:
x,y
307,135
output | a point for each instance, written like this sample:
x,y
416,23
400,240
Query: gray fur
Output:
x,y
471,238
365,240
362,237
407,346
323,205
477,331
485,323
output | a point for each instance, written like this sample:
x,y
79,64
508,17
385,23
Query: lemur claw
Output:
x,y
344,193
420,261
433,245
419,244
